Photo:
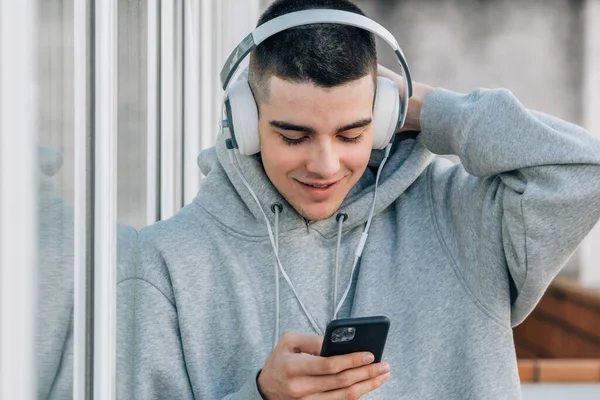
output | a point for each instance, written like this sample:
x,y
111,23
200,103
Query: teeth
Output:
x,y
320,186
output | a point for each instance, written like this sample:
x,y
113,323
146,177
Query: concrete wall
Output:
x,y
531,47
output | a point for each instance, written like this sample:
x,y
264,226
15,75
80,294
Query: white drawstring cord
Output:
x,y
276,208
363,237
341,218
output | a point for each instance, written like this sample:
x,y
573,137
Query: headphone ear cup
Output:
x,y
242,116
385,112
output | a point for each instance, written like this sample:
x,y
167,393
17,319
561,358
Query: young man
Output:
x,y
456,256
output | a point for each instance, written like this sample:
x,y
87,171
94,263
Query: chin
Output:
x,y
316,212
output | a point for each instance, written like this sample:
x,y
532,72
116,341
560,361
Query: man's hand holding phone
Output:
x,y
295,371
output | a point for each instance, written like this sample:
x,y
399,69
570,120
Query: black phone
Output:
x,y
351,335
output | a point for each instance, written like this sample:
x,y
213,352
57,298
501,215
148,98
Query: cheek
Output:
x,y
357,157
278,158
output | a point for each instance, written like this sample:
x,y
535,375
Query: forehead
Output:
x,y
308,97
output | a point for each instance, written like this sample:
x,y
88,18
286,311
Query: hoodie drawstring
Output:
x,y
365,234
340,218
232,157
276,208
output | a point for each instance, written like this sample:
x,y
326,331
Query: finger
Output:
x,y
349,377
301,343
307,385
317,366
353,392
388,73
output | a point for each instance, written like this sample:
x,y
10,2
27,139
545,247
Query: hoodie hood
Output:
x,y
236,208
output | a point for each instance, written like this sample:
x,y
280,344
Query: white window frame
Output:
x,y
18,200
105,199
153,113
84,212
171,110
205,31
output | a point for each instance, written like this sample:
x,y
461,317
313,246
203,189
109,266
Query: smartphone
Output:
x,y
351,335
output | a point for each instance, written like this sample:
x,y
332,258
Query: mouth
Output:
x,y
319,190
319,185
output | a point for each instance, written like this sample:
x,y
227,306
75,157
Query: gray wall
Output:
x,y
532,47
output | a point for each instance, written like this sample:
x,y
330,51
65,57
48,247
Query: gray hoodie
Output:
x,y
456,256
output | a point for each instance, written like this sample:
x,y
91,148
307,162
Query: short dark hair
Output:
x,y
326,55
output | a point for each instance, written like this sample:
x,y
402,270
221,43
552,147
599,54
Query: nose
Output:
x,y
324,160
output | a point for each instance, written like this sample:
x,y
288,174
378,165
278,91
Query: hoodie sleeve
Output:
x,y
249,391
159,369
151,363
154,358
525,196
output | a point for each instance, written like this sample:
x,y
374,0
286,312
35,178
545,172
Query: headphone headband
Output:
x,y
390,109
307,17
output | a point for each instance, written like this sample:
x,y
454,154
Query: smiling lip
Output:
x,y
319,191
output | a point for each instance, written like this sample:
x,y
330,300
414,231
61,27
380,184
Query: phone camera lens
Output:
x,y
345,334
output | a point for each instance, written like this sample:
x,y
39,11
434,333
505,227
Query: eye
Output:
x,y
354,139
292,142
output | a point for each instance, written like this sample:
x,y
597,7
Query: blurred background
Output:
x,y
106,105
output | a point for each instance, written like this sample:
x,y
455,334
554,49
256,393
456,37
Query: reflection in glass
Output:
x,y
55,274
55,199
131,172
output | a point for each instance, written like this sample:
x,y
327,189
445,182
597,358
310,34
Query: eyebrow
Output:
x,y
286,126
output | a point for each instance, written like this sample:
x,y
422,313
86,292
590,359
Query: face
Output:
x,y
316,142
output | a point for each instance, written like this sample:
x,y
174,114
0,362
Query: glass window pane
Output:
x,y
131,175
55,199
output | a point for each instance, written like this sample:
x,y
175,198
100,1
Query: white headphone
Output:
x,y
241,110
